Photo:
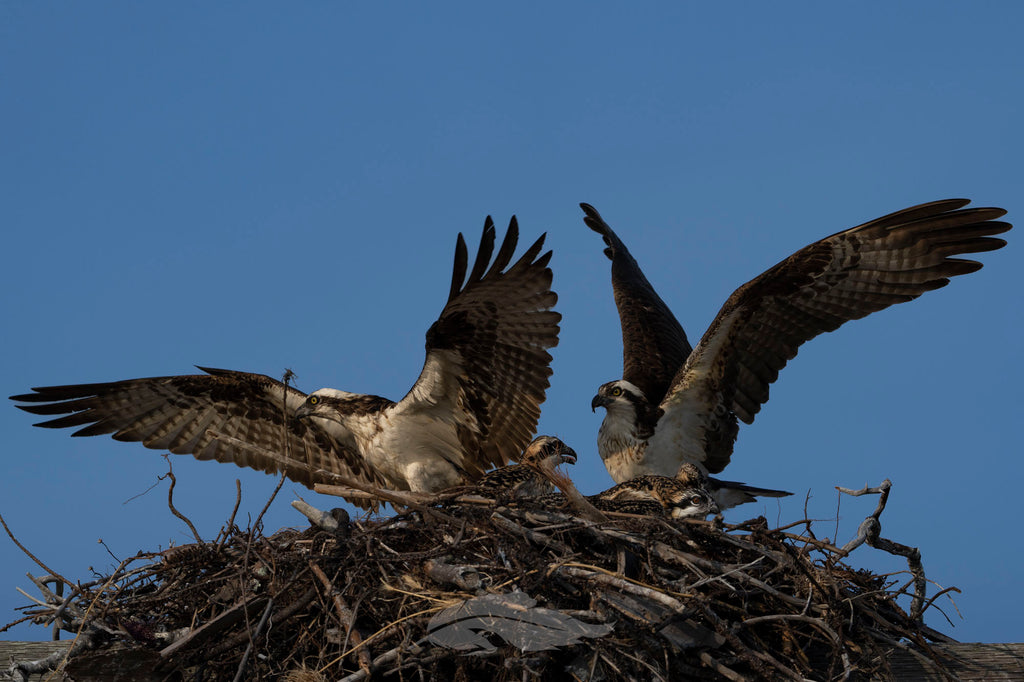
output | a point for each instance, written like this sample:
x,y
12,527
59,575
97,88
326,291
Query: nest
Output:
x,y
465,588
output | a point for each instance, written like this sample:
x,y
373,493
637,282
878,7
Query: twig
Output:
x,y
252,640
270,500
279,618
870,532
320,519
528,533
395,497
345,617
565,484
722,670
231,519
384,659
624,585
170,498
937,595
463,577
30,555
816,622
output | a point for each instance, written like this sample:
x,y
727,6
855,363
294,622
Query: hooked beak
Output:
x,y
598,401
568,457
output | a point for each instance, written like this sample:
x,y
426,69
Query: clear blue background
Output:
x,y
265,185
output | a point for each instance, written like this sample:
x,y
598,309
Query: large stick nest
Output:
x,y
464,589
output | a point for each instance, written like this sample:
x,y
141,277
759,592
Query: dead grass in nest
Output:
x,y
466,589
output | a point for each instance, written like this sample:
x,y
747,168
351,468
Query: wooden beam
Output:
x,y
968,661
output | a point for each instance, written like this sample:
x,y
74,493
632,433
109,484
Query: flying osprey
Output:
x,y
526,479
475,403
675,404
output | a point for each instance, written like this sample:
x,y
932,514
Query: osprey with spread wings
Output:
x,y
676,404
475,404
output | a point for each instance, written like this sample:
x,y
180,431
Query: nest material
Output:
x,y
466,590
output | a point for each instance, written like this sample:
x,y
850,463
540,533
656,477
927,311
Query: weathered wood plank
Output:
x,y
971,662
974,662
28,651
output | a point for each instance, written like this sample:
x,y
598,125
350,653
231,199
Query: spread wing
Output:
x,y
843,277
178,414
654,345
487,365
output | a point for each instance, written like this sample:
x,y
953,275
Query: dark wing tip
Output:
x,y
507,250
45,408
213,371
484,251
595,222
545,258
49,394
998,227
593,219
462,261
991,212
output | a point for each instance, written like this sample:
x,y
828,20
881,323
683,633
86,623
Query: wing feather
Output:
x,y
487,353
654,345
461,262
843,277
178,413
483,257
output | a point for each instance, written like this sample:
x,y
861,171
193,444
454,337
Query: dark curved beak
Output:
x,y
598,401
303,412
568,456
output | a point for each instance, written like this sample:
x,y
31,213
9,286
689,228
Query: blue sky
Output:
x,y
264,185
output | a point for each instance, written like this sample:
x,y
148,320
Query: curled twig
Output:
x,y
170,499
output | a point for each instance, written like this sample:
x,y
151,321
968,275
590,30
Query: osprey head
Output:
x,y
548,450
690,503
322,403
617,393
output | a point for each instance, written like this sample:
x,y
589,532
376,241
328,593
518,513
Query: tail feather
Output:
x,y
731,493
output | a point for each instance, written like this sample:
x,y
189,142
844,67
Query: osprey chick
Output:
x,y
475,404
527,479
679,499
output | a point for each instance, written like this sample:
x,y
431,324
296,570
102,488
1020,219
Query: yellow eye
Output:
x,y
313,400
616,392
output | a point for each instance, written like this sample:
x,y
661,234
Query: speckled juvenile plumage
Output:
x,y
526,478
678,498
646,495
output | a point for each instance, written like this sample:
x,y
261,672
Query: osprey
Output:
x,y
527,479
647,495
475,403
677,405
680,499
